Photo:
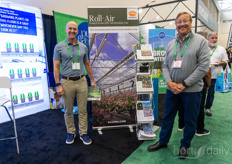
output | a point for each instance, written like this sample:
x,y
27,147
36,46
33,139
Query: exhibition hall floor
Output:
x,y
214,148
45,134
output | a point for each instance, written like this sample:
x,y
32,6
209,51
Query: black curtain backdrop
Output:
x,y
50,42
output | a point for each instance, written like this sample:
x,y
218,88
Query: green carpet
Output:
x,y
215,148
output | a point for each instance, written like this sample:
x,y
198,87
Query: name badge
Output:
x,y
76,66
177,63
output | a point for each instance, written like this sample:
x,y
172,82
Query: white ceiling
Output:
x,y
224,4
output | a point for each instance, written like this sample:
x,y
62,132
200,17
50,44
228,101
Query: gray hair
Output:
x,y
212,33
182,13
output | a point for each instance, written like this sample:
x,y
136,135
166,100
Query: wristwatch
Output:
x,y
57,84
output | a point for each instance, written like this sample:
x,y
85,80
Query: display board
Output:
x,y
23,59
112,32
159,39
144,32
206,17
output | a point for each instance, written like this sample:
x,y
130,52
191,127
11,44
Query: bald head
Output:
x,y
72,31
71,23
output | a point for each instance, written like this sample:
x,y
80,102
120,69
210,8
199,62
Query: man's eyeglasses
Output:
x,y
180,21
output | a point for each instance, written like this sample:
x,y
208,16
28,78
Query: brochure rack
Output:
x,y
144,87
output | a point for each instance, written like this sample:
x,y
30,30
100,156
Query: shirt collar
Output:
x,y
185,38
71,43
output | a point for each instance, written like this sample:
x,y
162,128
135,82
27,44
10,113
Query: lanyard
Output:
x,y
213,50
78,55
182,54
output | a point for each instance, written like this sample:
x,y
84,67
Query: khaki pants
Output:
x,y
78,89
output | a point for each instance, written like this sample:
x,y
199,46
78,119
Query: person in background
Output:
x,y
229,55
186,63
201,131
218,59
72,55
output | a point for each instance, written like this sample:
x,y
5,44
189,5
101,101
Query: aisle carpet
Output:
x,y
215,148
45,135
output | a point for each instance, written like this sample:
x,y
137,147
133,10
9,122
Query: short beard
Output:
x,y
212,44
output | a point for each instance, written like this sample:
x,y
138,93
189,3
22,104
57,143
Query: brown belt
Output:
x,y
73,78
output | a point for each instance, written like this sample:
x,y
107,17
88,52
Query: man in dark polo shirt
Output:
x,y
72,56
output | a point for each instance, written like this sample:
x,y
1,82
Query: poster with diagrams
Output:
x,y
23,58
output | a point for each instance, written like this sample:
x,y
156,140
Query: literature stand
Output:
x,y
144,87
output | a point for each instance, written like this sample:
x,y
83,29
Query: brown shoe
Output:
x,y
156,146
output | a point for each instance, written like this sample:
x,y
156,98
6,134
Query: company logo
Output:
x,y
83,34
132,14
162,35
213,149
